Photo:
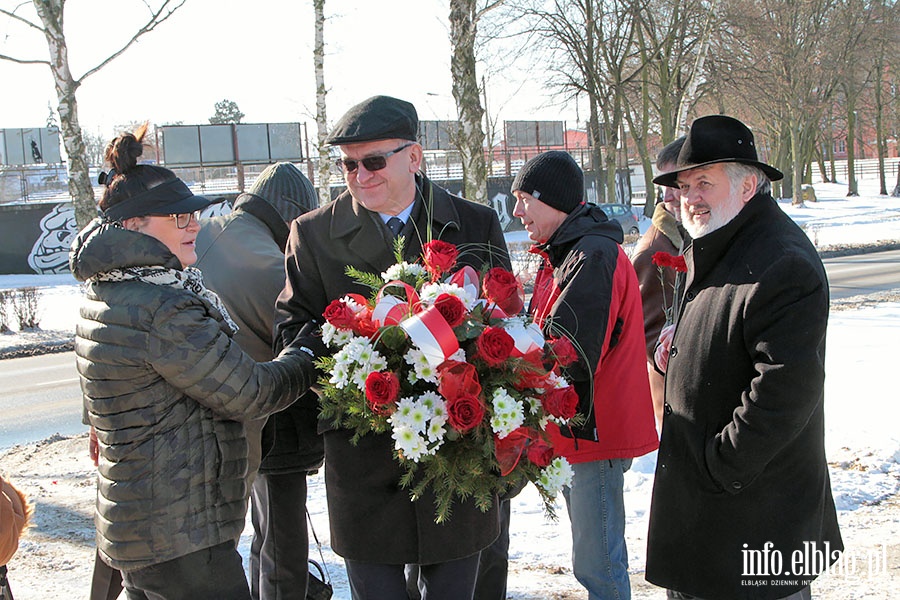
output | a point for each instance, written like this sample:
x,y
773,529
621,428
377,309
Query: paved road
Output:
x,y
41,395
863,273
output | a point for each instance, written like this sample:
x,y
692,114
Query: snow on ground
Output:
x,y
862,441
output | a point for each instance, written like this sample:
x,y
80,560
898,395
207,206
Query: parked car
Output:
x,y
624,215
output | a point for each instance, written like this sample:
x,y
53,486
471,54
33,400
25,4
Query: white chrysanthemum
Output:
x,y
435,433
431,291
422,368
435,404
412,414
533,405
342,337
340,377
555,475
403,271
409,443
356,348
509,413
328,333
459,356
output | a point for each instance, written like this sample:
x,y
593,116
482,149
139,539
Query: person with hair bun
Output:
x,y
166,388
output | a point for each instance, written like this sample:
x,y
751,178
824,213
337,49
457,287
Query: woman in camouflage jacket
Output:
x,y
167,389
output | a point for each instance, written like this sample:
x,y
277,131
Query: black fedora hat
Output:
x,y
717,139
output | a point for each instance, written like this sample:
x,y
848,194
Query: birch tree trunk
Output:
x,y
464,17
51,15
321,91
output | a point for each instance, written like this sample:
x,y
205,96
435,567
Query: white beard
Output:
x,y
718,217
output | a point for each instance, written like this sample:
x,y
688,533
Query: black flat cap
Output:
x,y
378,118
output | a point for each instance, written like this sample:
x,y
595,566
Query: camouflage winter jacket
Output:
x,y
166,389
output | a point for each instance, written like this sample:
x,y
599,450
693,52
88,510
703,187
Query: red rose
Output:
x,y
540,453
439,257
464,413
561,402
563,350
340,315
364,325
457,379
494,345
382,389
451,308
503,289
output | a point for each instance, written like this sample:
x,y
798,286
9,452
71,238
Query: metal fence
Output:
x,y
48,183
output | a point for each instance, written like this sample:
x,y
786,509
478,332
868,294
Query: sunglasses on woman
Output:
x,y
371,163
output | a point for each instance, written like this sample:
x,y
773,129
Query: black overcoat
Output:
x,y
741,461
372,518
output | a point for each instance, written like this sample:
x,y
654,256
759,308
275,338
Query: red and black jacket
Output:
x,y
587,290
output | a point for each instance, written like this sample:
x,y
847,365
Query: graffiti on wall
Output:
x,y
50,253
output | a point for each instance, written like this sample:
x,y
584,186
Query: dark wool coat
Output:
x,y
241,255
166,388
742,461
372,518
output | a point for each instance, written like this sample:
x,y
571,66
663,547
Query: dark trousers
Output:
x,y
106,582
280,546
493,565
215,573
804,594
453,580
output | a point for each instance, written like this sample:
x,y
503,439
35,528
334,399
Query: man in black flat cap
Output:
x,y
374,524
742,504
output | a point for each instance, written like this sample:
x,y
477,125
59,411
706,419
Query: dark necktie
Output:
x,y
395,225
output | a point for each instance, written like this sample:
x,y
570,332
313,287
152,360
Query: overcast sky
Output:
x,y
260,58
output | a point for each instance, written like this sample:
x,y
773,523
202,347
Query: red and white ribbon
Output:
x,y
431,334
391,310
527,338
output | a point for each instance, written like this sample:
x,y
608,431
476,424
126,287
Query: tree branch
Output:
x,y
154,21
13,15
23,61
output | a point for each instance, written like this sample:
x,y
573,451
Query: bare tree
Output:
x,y
50,14
321,92
781,59
464,18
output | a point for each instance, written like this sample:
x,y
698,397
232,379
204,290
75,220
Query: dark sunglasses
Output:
x,y
371,163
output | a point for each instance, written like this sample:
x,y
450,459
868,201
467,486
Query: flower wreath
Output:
x,y
464,385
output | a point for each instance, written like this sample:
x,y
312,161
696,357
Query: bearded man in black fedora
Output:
x,y
375,526
742,504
